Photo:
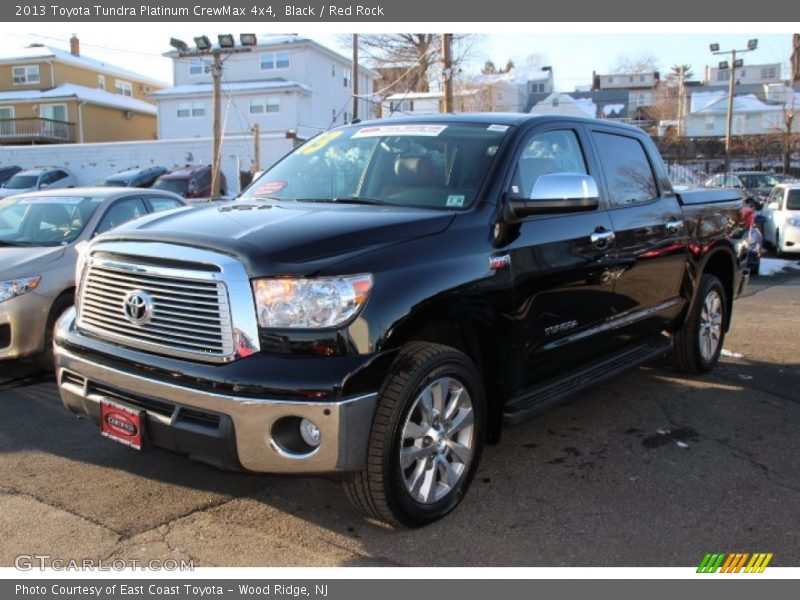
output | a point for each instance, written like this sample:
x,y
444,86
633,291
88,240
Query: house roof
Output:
x,y
267,41
516,76
41,52
69,91
717,102
206,89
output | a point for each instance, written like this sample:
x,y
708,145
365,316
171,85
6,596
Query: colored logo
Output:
x,y
737,562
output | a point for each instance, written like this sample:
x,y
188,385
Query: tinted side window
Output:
x,y
121,212
628,173
159,203
548,152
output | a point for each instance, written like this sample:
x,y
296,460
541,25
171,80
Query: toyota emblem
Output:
x,y
138,307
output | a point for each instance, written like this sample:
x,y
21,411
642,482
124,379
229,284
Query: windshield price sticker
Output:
x,y
379,131
319,142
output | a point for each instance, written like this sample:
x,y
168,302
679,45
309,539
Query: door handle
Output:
x,y
674,225
602,237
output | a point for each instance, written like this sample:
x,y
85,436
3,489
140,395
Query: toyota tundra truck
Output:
x,y
391,295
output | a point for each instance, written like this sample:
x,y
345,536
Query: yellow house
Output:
x,y
49,95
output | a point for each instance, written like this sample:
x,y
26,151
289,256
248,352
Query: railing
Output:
x,y
31,130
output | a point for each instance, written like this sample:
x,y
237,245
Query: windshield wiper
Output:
x,y
348,200
8,243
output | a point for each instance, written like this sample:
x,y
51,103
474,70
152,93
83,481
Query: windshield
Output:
x,y
52,221
171,185
758,181
793,200
111,182
22,182
429,165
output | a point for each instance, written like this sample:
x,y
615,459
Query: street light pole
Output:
x,y
216,146
734,64
447,72
204,48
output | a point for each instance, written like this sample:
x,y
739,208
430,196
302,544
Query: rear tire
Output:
x,y
45,359
698,343
426,438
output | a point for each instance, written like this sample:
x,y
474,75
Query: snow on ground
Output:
x,y
771,266
731,354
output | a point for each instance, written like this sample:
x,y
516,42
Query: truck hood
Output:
x,y
286,237
24,261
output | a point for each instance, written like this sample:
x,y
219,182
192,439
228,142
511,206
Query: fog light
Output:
x,y
310,432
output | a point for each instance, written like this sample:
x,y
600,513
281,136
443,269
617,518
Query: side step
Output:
x,y
538,399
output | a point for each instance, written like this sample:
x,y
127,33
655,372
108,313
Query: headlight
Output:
x,y
16,287
310,303
794,221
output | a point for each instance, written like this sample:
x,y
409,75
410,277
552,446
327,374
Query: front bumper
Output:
x,y
219,428
790,238
24,318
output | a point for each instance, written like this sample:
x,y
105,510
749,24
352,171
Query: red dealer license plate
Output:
x,y
122,424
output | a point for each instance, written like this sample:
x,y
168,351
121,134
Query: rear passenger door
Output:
x,y
651,236
121,212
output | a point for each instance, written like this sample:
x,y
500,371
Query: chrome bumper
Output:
x,y
344,425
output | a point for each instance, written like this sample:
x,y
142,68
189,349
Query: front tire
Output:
x,y
426,439
698,343
45,360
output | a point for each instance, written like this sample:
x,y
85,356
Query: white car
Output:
x,y
782,218
39,178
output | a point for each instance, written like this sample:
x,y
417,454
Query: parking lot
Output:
x,y
652,469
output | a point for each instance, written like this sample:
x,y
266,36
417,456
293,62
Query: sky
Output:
x,y
573,51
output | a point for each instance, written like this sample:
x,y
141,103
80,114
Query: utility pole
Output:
x,y
734,64
203,49
681,103
216,147
355,76
447,72
257,148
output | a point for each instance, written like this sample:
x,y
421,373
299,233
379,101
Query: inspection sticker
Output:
x,y
417,129
455,201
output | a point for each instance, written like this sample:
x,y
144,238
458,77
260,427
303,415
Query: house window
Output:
x,y
555,101
631,79
274,60
769,73
194,108
264,104
333,115
101,82
124,88
742,73
642,78
346,75
346,117
610,80
198,66
333,69
710,125
25,75
537,88
722,75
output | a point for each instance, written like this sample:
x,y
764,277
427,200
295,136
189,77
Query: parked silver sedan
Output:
x,y
41,235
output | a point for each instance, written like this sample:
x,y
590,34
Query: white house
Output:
x,y
285,83
708,112
766,73
564,104
512,91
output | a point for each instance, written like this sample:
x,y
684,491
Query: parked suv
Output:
x,y
7,173
391,294
39,178
755,185
136,177
190,182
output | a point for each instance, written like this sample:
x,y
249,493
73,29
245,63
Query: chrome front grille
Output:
x,y
186,313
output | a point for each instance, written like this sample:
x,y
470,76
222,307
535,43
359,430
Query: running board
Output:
x,y
538,399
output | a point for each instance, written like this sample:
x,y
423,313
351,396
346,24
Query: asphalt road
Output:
x,y
653,469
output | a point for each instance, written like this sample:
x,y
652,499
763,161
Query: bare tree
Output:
x,y
536,60
643,62
790,141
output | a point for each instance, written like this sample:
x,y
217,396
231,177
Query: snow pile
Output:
x,y
772,266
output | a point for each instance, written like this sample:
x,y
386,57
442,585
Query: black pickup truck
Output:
x,y
391,294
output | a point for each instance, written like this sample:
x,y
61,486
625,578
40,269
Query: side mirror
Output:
x,y
773,206
557,193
